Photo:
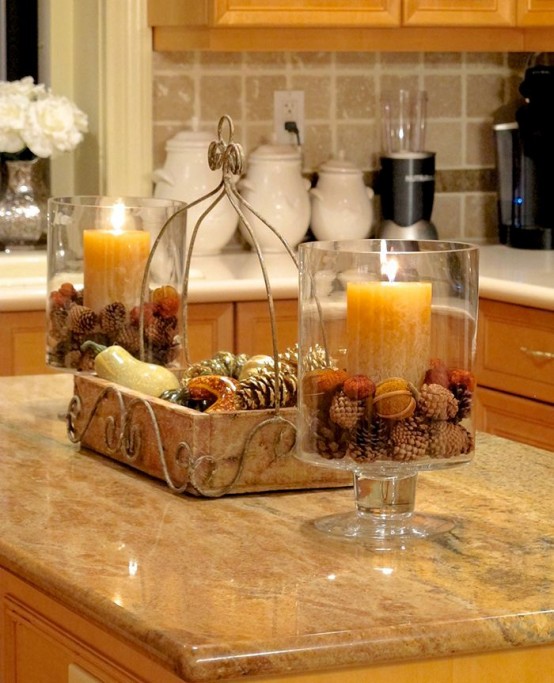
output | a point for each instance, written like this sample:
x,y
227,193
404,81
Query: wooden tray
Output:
x,y
197,453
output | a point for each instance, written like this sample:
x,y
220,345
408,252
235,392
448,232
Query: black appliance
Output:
x,y
407,189
525,165
406,180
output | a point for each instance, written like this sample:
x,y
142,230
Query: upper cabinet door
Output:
x,y
535,12
306,13
461,12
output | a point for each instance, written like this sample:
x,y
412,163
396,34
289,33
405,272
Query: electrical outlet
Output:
x,y
288,105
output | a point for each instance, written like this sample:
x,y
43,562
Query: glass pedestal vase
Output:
x,y
387,333
23,203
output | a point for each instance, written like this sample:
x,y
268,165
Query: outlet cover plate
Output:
x,y
288,105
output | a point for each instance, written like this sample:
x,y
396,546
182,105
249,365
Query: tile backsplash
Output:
x,y
466,91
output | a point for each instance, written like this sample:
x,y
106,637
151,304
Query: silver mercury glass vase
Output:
x,y
23,202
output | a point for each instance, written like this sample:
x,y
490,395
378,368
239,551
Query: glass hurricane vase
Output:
x,y
101,251
386,344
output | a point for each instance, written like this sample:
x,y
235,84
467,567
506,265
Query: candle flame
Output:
x,y
389,267
118,216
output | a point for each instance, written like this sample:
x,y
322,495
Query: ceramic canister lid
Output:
x,y
339,164
188,139
275,153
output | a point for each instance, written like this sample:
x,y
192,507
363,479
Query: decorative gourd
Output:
x,y
117,365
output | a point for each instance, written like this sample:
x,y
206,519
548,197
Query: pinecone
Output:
x,y
58,323
346,412
328,440
290,356
464,396
437,403
81,319
409,439
72,359
379,439
370,441
314,359
257,392
160,331
112,318
129,338
447,440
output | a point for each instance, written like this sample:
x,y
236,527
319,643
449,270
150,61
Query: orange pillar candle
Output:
x,y
113,264
389,329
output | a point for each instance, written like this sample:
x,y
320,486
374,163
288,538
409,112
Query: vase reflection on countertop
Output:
x,y
23,200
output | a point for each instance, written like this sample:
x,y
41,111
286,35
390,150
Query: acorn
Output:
x,y
318,386
394,399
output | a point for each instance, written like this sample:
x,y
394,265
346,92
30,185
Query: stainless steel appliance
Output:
x,y
406,181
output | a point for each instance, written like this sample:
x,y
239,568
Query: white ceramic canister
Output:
x,y
275,188
187,176
342,205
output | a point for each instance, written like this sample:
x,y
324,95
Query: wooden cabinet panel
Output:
x,y
335,25
178,12
535,13
515,351
41,641
22,343
515,373
253,326
305,13
22,337
210,329
515,418
459,13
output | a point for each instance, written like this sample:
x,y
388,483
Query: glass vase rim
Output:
x,y
107,201
355,246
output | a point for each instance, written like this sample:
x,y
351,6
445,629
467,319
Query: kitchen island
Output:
x,y
104,570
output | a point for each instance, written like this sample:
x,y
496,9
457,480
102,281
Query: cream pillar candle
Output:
x,y
114,261
389,329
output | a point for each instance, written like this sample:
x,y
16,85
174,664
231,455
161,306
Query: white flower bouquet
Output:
x,y
36,123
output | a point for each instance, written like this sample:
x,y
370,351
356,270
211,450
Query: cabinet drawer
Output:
x,y
515,418
516,350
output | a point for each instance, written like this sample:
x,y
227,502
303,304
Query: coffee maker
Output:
x,y
525,165
406,181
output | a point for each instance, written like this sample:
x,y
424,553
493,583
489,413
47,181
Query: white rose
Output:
x,y
13,111
54,125
24,88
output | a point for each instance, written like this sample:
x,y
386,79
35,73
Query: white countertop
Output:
x,y
519,276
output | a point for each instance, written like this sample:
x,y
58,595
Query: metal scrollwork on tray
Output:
x,y
125,434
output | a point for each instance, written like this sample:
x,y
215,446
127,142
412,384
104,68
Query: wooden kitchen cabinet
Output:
x,y
253,326
43,642
288,13
515,372
22,343
211,329
23,337
535,13
456,13
270,13
240,327
356,25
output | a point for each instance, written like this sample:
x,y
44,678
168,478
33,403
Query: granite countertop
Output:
x,y
217,589
513,275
